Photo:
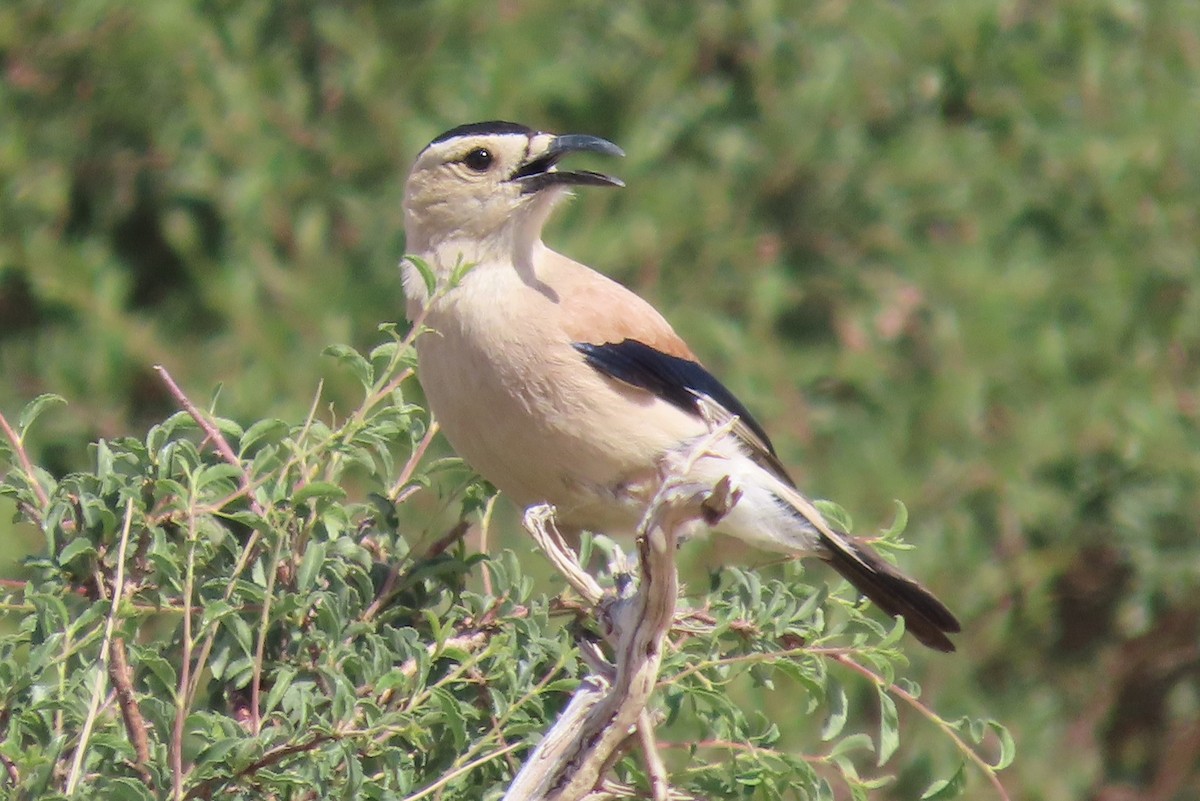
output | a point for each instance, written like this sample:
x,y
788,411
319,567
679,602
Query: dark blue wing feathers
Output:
x,y
675,380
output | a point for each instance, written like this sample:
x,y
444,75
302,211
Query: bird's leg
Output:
x,y
573,758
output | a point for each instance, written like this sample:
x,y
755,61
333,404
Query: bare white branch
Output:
x,y
572,759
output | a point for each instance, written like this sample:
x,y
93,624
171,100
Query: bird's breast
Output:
x,y
520,405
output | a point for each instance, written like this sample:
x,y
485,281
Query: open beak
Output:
x,y
541,171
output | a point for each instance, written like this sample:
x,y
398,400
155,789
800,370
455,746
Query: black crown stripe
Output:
x,y
485,128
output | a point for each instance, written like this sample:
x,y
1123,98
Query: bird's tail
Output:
x,y
924,615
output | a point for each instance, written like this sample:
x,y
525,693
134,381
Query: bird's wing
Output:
x,y
597,309
622,336
683,383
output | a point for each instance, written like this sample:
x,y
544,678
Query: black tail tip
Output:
x,y
925,617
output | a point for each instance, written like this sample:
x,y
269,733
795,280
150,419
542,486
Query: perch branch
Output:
x,y
570,762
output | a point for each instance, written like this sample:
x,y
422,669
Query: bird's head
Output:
x,y
489,186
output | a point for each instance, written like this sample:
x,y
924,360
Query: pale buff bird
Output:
x,y
561,386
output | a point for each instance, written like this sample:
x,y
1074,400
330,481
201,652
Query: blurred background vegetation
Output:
x,y
948,252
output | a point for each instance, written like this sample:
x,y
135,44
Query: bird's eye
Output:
x,y
479,159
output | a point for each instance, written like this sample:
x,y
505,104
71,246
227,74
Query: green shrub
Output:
x,y
215,616
945,251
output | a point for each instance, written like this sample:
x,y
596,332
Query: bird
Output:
x,y
561,386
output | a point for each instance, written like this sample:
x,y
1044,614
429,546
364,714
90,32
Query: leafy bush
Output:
x,y
215,617
945,251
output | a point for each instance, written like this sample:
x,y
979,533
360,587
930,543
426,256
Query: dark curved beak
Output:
x,y
541,171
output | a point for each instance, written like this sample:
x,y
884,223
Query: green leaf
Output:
x,y
835,721
310,565
384,353
425,271
855,742
241,632
318,490
125,789
391,681
461,268
214,473
352,359
262,430
344,698
217,751
228,427
104,459
281,683
835,514
894,635
1008,748
258,572
452,716
899,523
163,671
214,611
889,727
34,409
80,546
813,603
944,789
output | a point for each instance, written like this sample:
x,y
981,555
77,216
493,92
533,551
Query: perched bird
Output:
x,y
561,386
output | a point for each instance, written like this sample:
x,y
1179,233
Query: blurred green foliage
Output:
x,y
947,252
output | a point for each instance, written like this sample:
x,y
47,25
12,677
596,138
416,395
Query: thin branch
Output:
x,y
260,647
539,522
929,714
10,768
244,558
109,627
418,453
570,762
312,411
415,329
26,466
756,657
182,695
443,543
205,788
485,530
465,769
656,770
197,670
135,725
470,643
387,590
384,595
211,431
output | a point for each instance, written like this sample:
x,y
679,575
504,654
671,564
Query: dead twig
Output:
x,y
572,759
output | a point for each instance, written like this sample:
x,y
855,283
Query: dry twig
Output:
x,y
572,759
